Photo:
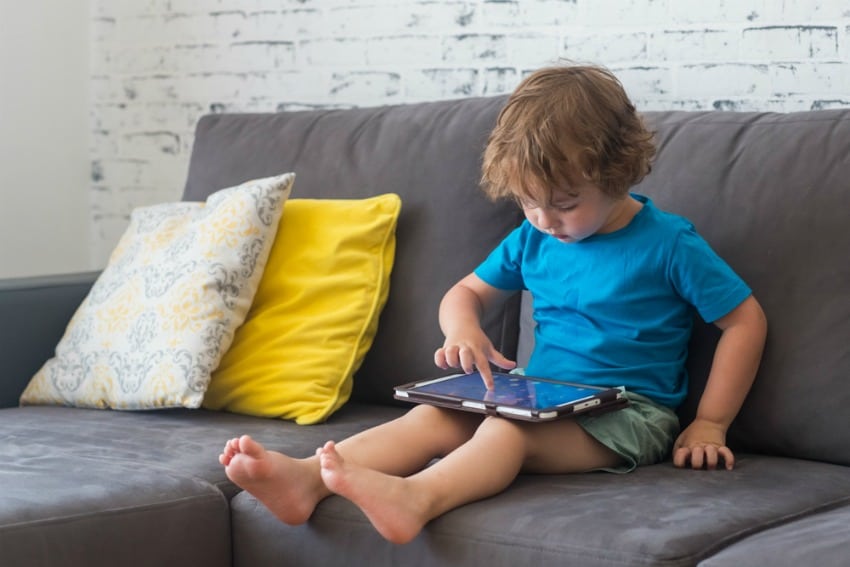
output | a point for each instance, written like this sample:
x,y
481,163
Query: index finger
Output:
x,y
486,373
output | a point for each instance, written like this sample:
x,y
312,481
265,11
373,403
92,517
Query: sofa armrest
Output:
x,y
34,312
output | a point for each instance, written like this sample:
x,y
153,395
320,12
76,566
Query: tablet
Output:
x,y
513,396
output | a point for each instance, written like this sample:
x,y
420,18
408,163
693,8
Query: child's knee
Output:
x,y
502,427
426,412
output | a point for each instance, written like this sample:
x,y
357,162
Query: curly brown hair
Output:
x,y
564,123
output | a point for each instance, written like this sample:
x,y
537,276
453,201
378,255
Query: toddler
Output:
x,y
615,283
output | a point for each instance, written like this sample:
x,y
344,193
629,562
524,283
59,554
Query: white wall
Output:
x,y
157,65
44,132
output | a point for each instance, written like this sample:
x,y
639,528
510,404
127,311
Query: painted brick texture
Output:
x,y
157,65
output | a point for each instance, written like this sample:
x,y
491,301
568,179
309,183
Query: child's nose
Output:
x,y
546,219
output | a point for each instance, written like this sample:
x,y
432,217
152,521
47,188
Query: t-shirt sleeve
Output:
x,y
704,279
503,267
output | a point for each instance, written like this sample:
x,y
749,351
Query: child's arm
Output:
x,y
733,369
466,346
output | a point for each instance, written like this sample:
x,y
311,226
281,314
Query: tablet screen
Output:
x,y
509,390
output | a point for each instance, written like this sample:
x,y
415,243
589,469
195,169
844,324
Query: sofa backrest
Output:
x,y
771,194
429,154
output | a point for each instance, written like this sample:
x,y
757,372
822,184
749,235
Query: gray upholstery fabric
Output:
x,y
178,442
105,488
525,342
819,540
107,512
35,312
656,515
429,154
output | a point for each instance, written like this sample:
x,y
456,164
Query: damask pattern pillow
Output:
x,y
163,312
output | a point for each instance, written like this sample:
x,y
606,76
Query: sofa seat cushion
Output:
x,y
94,487
181,442
81,510
819,539
657,515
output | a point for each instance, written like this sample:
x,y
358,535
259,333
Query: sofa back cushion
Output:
x,y
771,194
429,154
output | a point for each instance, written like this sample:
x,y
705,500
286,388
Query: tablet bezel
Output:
x,y
601,400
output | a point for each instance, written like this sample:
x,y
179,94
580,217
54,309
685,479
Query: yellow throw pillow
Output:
x,y
164,310
315,313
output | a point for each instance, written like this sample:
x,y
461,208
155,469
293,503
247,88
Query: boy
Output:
x,y
614,281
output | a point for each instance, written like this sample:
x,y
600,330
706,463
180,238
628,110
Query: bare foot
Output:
x,y
289,488
386,500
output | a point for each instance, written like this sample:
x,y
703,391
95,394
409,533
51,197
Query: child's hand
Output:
x,y
471,353
702,444
466,345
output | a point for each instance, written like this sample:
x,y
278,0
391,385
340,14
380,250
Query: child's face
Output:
x,y
576,213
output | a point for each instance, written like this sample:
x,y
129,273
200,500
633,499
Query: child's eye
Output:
x,y
564,208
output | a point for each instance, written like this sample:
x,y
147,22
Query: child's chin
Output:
x,y
564,238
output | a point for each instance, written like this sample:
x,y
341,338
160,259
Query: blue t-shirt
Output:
x,y
617,309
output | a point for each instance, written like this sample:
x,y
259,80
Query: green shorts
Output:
x,y
642,433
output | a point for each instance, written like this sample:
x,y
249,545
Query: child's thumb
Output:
x,y
499,360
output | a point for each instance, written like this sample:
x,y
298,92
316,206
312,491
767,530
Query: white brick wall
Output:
x,y
157,65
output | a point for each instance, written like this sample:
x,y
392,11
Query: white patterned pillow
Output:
x,y
163,312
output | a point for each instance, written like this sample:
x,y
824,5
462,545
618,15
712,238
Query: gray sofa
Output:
x,y
771,192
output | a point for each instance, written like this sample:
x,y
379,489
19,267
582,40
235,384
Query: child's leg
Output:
x,y
483,466
291,487
406,445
